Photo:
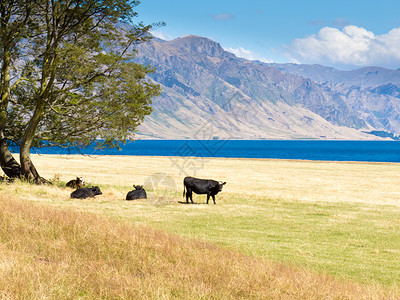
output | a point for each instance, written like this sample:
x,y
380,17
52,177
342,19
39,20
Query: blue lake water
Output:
x,y
374,151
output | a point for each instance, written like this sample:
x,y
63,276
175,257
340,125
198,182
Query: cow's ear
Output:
x,y
223,183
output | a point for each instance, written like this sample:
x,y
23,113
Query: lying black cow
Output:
x,y
76,183
201,186
137,193
84,193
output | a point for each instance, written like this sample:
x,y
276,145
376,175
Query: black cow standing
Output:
x,y
137,193
84,193
201,186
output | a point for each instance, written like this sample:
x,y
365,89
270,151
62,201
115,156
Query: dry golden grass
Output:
x,y
375,183
54,252
49,253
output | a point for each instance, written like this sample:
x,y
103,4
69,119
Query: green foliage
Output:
x,y
80,83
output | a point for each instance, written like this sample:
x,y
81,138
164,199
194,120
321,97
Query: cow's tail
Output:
x,y
184,190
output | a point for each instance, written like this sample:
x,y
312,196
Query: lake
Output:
x,y
373,151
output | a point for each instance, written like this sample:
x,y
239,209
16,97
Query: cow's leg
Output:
x,y
208,197
213,196
191,196
188,193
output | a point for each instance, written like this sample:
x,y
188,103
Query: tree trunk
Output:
x,y
7,162
28,169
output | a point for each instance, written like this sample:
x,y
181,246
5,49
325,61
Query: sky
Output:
x,y
345,34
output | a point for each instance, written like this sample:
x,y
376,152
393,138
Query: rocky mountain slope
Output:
x,y
210,93
372,91
365,77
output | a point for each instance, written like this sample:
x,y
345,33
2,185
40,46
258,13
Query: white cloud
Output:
x,y
352,46
162,35
247,54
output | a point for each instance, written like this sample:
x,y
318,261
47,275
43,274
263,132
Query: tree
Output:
x,y
81,82
14,18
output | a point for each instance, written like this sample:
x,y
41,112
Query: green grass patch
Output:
x,y
350,240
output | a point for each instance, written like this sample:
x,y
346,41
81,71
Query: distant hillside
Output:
x,y
210,93
365,77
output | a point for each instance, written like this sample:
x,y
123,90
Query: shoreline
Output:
x,y
223,158
307,150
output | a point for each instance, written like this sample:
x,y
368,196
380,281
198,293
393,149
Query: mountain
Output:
x,y
210,93
365,77
372,91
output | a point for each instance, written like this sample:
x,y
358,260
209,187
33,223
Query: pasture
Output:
x,y
341,219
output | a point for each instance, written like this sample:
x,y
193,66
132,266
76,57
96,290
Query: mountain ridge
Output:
x,y
205,86
364,77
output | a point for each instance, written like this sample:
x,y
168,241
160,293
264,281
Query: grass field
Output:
x,y
341,219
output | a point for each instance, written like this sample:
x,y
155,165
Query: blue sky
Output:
x,y
346,34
